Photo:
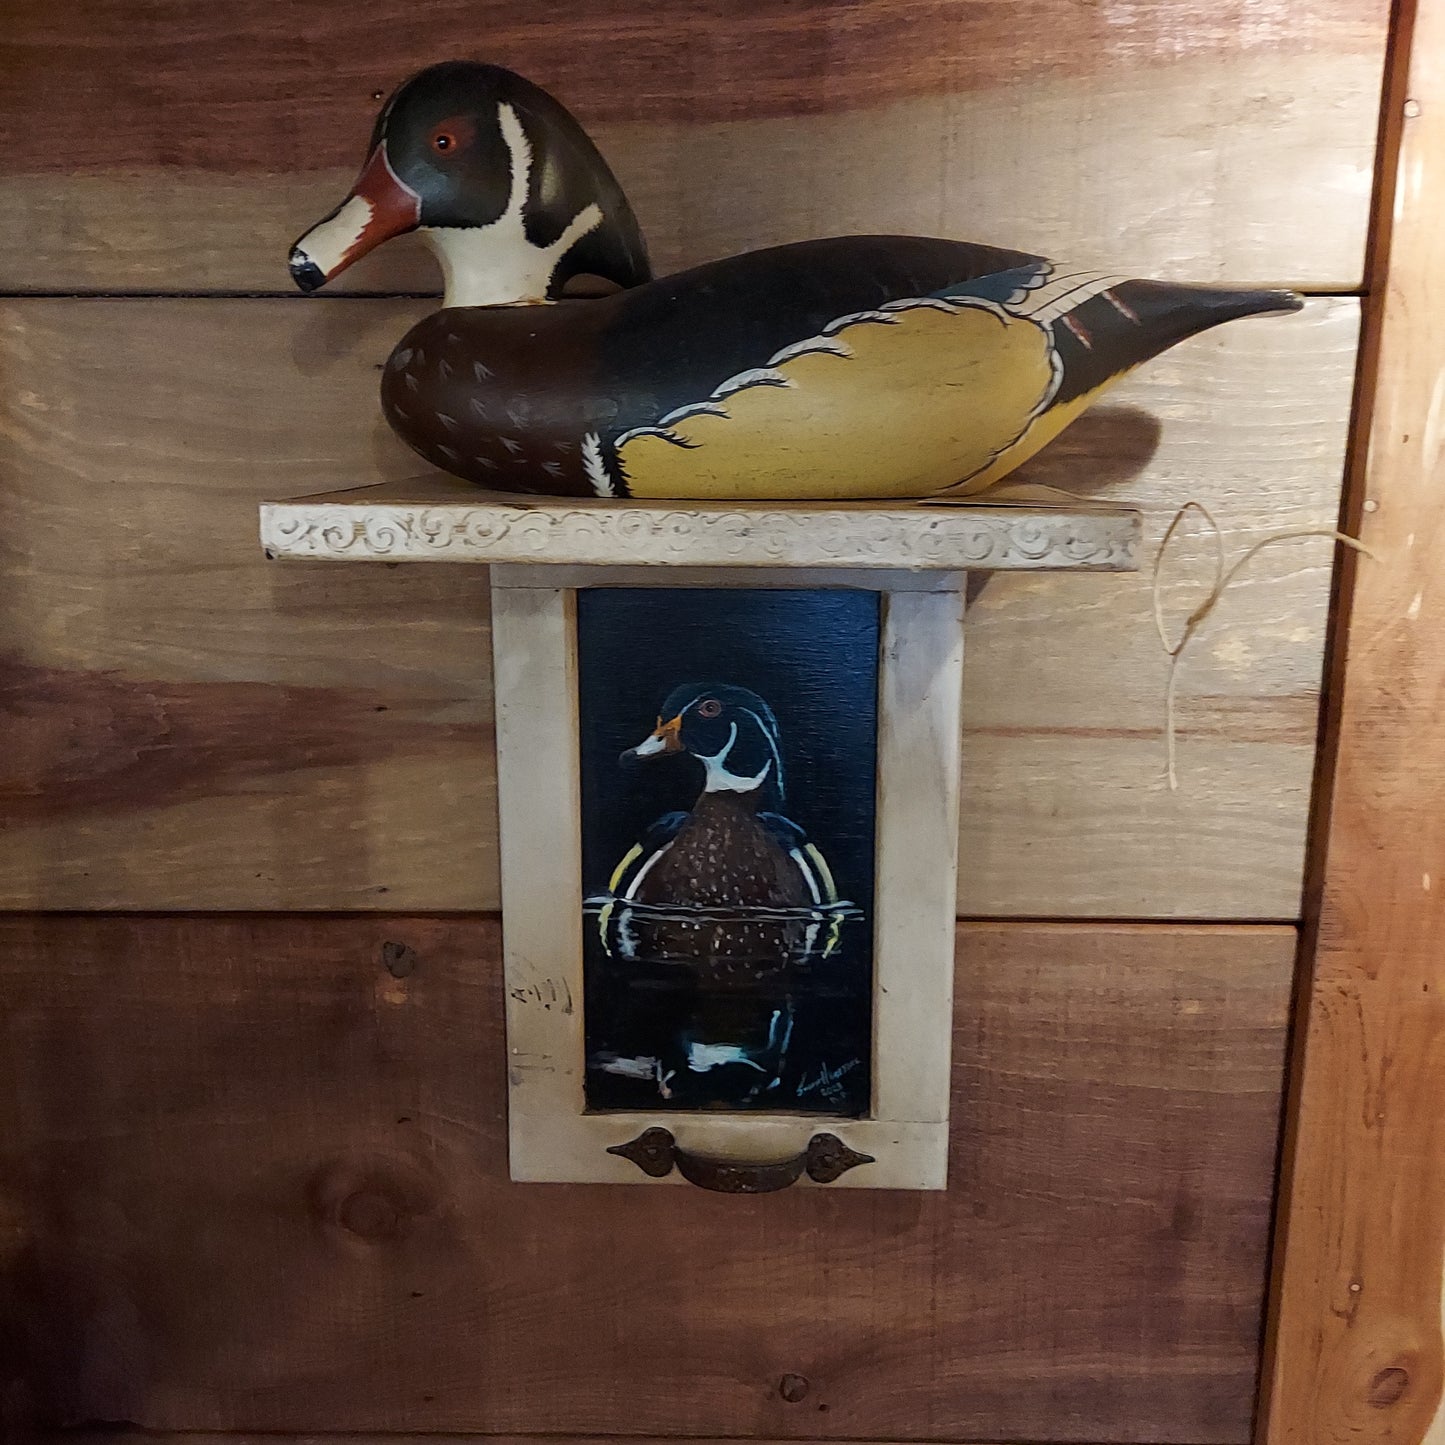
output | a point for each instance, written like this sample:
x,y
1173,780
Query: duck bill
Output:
x,y
665,738
381,205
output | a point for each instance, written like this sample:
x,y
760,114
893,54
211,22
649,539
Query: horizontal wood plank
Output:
x,y
245,1437
254,1178
184,147
196,728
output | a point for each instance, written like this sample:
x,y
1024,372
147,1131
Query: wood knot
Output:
x,y
370,1215
793,1388
1388,1387
398,959
376,1201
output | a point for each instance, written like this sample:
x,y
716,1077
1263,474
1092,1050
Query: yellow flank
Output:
x,y
921,405
631,855
825,873
830,890
1034,440
604,914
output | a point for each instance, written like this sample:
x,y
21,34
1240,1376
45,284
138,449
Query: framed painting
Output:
x,y
729,824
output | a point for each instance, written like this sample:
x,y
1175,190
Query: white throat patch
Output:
x,y
496,265
719,779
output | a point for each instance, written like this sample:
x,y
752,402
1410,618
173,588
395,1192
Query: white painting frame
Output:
x,y
552,1136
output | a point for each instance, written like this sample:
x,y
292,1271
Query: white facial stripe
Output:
x,y
520,149
719,780
767,732
720,757
326,245
496,265
587,219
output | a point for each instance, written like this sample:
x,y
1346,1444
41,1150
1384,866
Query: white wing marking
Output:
x,y
1041,300
855,317
697,408
813,344
662,432
595,467
1063,294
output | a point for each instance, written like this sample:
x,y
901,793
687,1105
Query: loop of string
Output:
x,y
1223,577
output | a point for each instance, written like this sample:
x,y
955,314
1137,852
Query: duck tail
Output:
x,y
1163,313
1196,308
1131,322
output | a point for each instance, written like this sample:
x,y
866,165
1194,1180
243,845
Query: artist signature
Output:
x,y
828,1082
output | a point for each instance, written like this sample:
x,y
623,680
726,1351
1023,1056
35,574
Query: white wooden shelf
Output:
x,y
435,519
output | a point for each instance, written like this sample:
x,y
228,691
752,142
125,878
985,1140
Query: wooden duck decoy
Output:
x,y
855,367
732,889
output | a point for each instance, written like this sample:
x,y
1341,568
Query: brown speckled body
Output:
x,y
471,389
723,857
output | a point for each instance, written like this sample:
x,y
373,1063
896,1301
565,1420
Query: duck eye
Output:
x,y
709,707
443,141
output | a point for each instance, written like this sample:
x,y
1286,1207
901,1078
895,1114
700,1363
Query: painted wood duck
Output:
x,y
732,889
731,898
855,367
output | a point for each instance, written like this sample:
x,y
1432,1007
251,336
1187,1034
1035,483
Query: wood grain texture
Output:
x,y
1356,1351
768,58
920,686
183,146
253,1177
197,728
1065,802
244,1437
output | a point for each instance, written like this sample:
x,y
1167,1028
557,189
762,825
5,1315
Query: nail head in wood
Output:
x,y
793,1388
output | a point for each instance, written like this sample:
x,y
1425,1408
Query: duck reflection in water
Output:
x,y
717,915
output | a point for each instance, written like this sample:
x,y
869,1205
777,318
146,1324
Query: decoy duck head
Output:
x,y
499,178
732,732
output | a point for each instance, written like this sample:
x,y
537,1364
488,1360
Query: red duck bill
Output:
x,y
381,205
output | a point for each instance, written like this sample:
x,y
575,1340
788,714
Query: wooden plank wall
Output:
x,y
1357,1342
228,734
283,1205
250,1179
221,734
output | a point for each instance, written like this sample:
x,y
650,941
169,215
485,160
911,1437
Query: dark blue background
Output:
x,y
813,657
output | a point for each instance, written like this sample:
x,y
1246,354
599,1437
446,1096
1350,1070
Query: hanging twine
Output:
x,y
1223,578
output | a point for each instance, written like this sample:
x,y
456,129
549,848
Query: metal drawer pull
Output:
x,y
825,1158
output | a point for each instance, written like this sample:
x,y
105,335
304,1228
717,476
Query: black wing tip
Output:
x,y
1223,302
1227,304
1233,306
1282,301
1262,302
1212,305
